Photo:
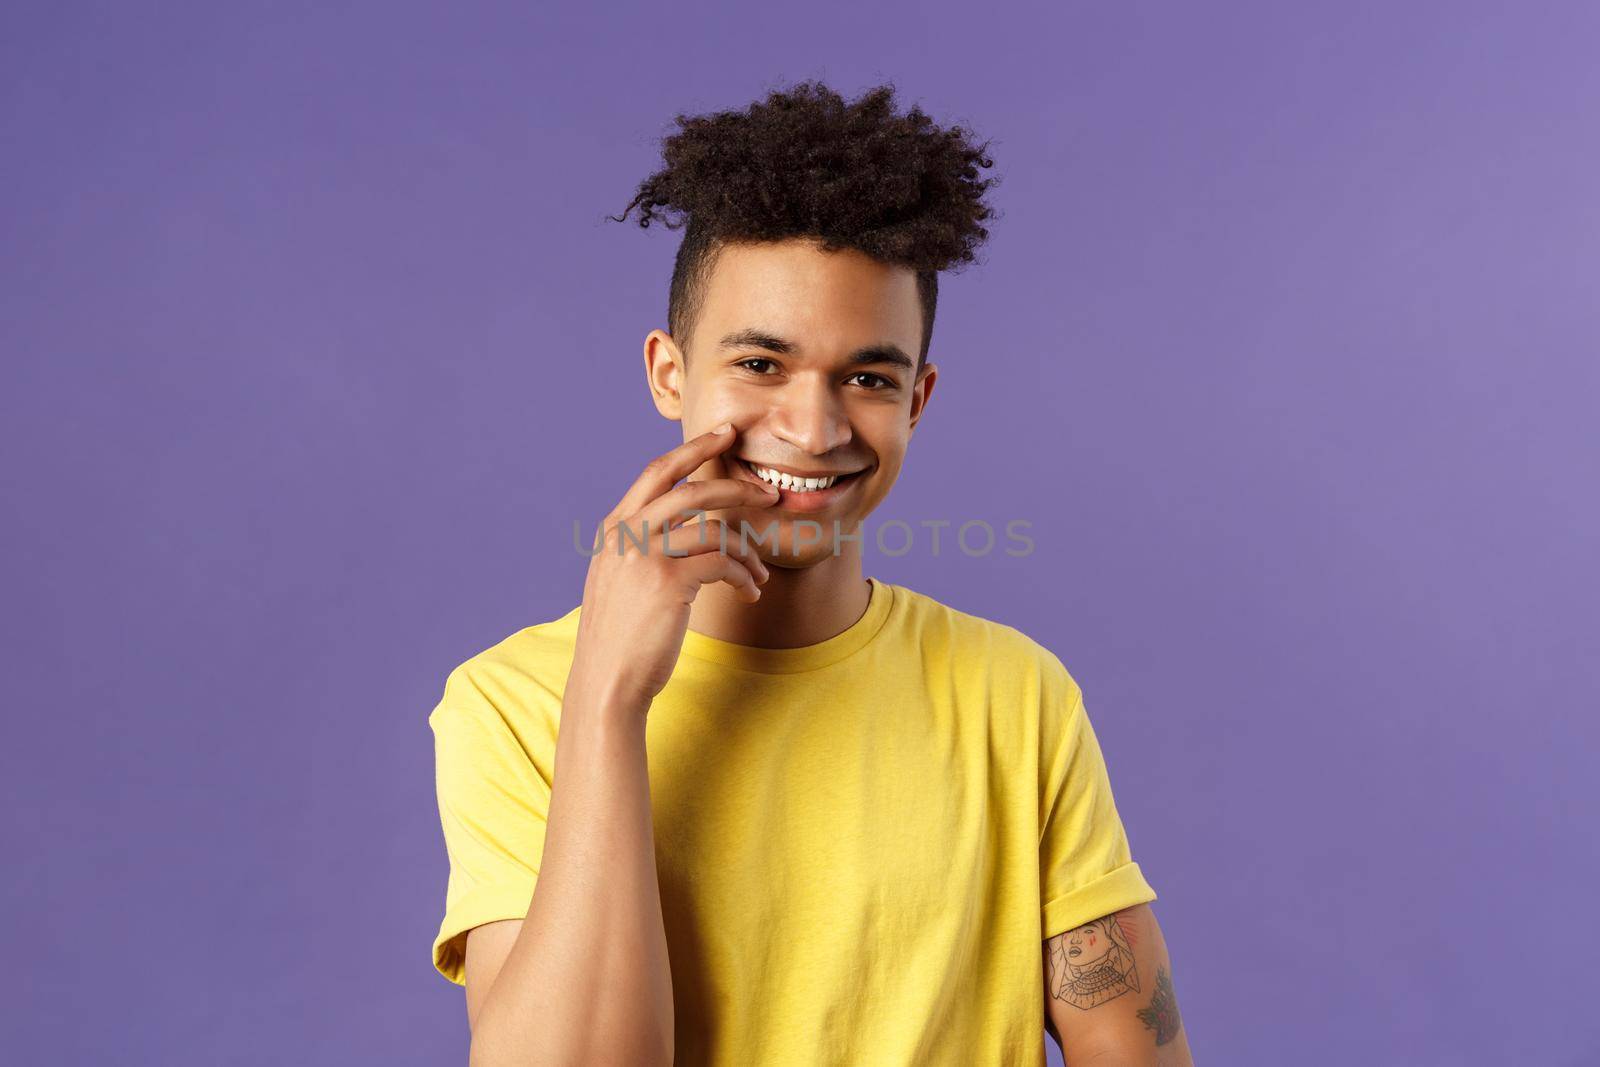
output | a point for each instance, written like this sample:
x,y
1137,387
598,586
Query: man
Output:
x,y
744,805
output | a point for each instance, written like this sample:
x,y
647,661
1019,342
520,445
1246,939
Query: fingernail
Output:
x,y
724,428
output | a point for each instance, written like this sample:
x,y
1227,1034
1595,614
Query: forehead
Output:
x,y
823,300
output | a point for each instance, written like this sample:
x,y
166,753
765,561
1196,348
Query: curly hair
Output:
x,y
805,163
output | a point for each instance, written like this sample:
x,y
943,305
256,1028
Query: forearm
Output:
x,y
588,978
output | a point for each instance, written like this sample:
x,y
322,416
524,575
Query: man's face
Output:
x,y
796,347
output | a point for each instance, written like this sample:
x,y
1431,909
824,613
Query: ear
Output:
x,y
920,391
664,371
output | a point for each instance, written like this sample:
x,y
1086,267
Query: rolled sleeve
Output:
x,y
1086,869
493,803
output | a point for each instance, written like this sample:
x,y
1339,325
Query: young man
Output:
x,y
744,805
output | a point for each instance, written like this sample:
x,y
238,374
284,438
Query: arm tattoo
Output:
x,y
1162,1014
1093,963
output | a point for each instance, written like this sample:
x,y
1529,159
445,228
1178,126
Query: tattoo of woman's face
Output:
x,y
1092,963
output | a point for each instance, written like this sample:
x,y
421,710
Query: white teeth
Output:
x,y
792,483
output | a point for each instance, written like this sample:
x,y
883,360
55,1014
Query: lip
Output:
x,y
789,500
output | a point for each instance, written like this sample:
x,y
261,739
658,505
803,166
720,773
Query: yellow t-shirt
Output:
x,y
860,843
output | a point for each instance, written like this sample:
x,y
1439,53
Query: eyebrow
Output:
x,y
889,353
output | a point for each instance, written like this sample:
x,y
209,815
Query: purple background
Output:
x,y
315,342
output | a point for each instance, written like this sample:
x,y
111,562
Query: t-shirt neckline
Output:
x,y
806,657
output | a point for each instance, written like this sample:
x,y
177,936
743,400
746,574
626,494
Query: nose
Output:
x,y
810,417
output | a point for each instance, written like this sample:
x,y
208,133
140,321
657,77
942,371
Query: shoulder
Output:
x,y
520,675
1003,650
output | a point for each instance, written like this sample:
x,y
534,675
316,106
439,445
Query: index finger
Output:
x,y
663,472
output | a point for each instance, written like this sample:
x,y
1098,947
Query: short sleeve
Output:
x,y
493,802
1085,866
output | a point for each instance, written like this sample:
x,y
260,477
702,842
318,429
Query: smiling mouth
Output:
x,y
792,483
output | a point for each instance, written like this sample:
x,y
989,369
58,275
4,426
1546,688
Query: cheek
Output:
x,y
700,419
705,404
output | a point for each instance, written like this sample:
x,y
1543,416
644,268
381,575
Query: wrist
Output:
x,y
604,692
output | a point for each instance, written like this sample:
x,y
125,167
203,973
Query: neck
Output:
x,y
799,605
